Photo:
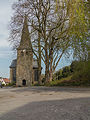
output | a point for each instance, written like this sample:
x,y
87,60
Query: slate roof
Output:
x,y
6,80
14,63
25,42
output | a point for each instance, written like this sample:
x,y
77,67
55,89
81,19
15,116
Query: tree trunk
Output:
x,y
39,59
46,65
50,76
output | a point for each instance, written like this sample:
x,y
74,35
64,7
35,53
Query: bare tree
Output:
x,y
52,29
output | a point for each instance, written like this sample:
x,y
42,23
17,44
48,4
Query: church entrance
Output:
x,y
23,82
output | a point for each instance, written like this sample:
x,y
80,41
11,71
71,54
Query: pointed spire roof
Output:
x,y
25,42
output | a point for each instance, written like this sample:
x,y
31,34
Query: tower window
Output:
x,y
26,52
22,54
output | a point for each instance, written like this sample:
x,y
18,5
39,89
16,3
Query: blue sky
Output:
x,y
6,53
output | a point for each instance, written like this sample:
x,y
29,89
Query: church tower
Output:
x,y
24,69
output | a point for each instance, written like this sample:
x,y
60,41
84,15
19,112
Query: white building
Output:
x,y
2,81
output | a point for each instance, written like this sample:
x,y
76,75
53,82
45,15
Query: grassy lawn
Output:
x,y
59,82
68,81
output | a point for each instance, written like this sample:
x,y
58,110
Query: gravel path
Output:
x,y
44,103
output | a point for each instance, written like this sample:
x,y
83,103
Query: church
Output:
x,y
24,69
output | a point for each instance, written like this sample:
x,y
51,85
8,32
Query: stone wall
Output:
x,y
24,70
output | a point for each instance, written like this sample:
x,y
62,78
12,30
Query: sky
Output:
x,y
6,53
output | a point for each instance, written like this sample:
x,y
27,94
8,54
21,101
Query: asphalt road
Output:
x,y
70,109
45,103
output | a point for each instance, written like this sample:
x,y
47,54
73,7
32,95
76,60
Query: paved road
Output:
x,y
71,109
49,104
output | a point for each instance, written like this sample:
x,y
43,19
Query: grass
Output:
x,y
59,82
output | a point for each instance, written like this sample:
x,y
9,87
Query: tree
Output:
x,y
78,12
66,71
54,31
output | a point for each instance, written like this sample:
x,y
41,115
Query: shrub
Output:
x,y
73,66
82,73
57,75
66,71
11,84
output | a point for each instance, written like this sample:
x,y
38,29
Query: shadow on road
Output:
x,y
70,109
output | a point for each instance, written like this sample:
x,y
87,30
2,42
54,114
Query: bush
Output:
x,y
73,66
82,73
61,82
62,73
11,84
57,75
66,71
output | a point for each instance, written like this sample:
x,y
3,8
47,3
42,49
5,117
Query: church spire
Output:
x,y
25,42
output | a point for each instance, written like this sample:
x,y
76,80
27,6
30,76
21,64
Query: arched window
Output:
x,y
22,54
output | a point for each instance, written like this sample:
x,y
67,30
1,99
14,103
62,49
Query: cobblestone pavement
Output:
x,y
44,103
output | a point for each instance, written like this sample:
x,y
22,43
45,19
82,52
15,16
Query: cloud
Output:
x,y
5,15
6,54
